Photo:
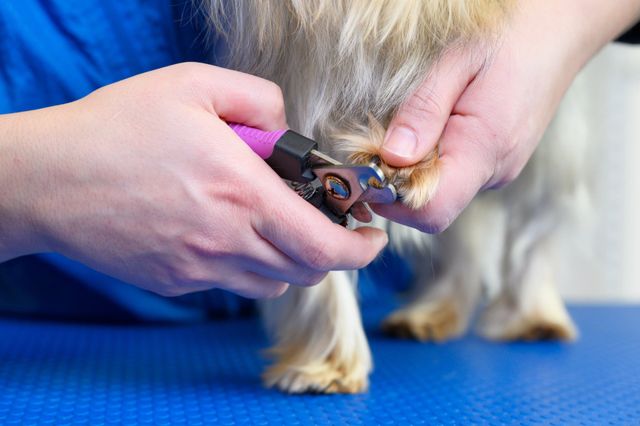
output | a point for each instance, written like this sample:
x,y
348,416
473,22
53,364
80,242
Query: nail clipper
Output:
x,y
334,188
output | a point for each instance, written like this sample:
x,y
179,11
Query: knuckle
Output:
x,y
187,68
185,276
168,281
190,277
189,74
434,226
207,245
506,178
171,291
277,291
509,176
310,279
512,174
362,258
319,257
273,93
423,102
506,167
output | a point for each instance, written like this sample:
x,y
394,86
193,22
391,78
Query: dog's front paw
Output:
x,y
415,184
325,377
320,343
437,320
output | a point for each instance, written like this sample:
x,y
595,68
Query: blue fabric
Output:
x,y
57,51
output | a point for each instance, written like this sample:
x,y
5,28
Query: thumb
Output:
x,y
239,97
415,130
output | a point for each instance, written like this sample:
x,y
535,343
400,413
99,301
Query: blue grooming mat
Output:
x,y
69,373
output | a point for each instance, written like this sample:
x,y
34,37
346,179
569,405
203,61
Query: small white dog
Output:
x,y
345,66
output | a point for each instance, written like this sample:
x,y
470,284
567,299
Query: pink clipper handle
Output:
x,y
260,141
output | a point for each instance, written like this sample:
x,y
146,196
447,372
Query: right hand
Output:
x,y
144,181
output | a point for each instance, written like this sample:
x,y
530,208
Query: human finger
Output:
x,y
416,128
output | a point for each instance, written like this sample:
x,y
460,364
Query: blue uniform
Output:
x,y
56,51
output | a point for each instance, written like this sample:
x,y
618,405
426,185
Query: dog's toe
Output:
x,y
546,331
506,321
434,321
532,330
324,378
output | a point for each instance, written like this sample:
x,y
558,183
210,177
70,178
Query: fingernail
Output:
x,y
402,142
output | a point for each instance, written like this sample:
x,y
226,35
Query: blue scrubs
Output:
x,y
56,51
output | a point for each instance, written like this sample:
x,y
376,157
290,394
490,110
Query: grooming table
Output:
x,y
69,373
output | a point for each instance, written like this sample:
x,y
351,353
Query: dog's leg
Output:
x,y
441,312
551,197
529,307
441,307
320,342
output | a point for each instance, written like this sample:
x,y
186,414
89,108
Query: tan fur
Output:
x,y
415,185
437,321
320,344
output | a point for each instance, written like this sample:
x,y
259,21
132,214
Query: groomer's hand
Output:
x,y
143,180
489,114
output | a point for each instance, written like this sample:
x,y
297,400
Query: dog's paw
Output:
x,y
530,329
502,322
543,330
323,378
435,320
415,184
320,345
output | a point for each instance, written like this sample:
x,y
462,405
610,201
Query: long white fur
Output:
x,y
321,346
340,62
343,64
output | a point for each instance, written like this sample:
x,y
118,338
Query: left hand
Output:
x,y
488,115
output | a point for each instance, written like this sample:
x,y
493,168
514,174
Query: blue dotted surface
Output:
x,y
63,373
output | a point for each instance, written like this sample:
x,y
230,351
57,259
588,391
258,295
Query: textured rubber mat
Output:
x,y
54,373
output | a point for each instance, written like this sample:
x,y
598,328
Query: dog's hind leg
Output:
x,y
440,313
320,345
443,297
529,306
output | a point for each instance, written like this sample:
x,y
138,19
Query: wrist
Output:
x,y
20,182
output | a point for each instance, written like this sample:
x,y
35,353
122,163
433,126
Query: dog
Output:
x,y
345,67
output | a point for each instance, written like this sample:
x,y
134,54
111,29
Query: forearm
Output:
x,y
578,28
550,41
604,21
19,229
486,130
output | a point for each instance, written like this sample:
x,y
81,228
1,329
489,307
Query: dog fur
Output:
x,y
345,67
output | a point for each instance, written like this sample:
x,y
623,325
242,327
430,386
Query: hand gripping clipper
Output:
x,y
334,188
